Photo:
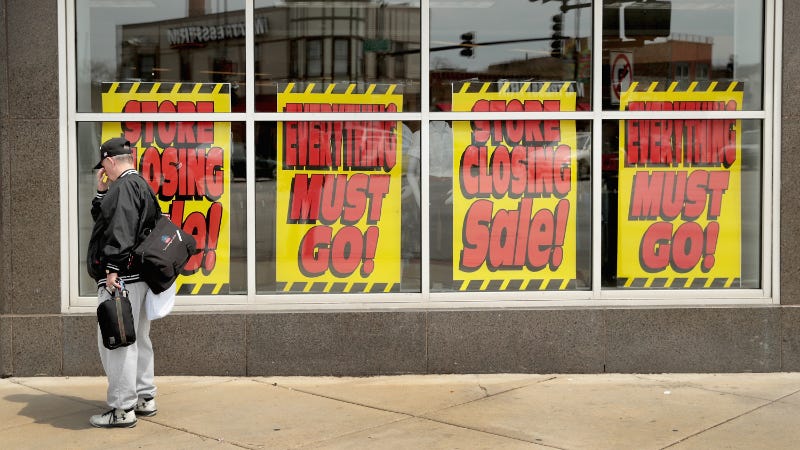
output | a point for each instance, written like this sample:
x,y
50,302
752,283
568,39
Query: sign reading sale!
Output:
x,y
514,189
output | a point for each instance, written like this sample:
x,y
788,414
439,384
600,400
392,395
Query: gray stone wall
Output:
x,y
35,339
508,341
790,159
29,206
5,323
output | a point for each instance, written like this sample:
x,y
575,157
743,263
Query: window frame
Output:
x,y
769,115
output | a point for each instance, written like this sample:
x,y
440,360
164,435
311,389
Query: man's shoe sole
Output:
x,y
116,425
145,413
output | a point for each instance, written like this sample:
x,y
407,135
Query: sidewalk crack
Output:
x,y
731,419
425,415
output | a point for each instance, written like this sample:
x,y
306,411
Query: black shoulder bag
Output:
x,y
163,252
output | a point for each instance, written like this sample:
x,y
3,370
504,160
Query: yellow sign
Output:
x,y
338,192
187,164
514,189
679,208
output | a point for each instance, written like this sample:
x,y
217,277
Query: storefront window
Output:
x,y
351,43
510,207
195,188
527,41
683,40
339,207
681,204
531,167
685,216
160,41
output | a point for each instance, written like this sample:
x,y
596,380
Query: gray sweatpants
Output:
x,y
129,369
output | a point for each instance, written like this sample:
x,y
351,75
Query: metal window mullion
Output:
x,y
335,117
609,115
424,150
250,183
767,102
68,192
250,202
160,117
249,58
772,127
554,115
597,147
673,115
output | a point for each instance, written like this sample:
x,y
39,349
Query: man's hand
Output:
x,y
102,180
112,281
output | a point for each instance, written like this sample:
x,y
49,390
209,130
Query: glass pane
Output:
x,y
684,216
657,42
342,212
510,211
536,42
162,41
194,188
363,43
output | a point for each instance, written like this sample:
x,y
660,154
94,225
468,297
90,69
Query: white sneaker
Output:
x,y
114,418
146,407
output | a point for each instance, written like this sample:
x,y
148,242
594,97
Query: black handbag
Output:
x,y
115,317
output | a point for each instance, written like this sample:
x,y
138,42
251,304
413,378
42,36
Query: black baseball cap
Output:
x,y
113,147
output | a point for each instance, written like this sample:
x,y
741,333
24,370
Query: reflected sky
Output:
x,y
492,20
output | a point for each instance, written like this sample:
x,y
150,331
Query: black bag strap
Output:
x,y
155,216
148,225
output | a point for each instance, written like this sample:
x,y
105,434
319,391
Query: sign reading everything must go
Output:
x,y
680,189
339,191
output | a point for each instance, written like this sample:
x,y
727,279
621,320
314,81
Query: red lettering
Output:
x,y
511,239
341,253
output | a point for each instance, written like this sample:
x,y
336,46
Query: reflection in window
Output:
x,y
681,72
201,41
537,42
361,42
160,41
314,58
475,245
390,225
684,40
702,72
209,204
341,57
685,215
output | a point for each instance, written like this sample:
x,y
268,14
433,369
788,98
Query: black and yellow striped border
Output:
x,y
334,287
365,89
555,284
687,86
515,87
679,283
165,88
203,288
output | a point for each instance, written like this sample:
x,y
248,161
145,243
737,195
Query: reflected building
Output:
x,y
365,42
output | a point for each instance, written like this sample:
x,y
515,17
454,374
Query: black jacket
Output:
x,y
121,215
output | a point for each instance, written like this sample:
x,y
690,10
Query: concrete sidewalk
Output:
x,y
689,411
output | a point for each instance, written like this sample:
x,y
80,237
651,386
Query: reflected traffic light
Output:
x,y
468,44
557,37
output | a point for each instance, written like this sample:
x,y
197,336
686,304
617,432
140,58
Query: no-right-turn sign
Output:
x,y
621,73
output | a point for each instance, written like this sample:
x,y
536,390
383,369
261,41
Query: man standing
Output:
x,y
122,208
